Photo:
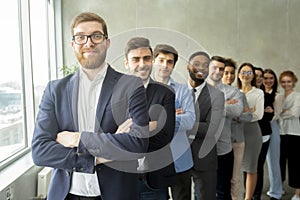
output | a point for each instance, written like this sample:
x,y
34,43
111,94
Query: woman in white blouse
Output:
x,y
288,106
252,132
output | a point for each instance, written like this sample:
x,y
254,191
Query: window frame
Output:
x,y
26,58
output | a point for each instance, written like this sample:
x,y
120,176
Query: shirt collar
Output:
x,y
198,88
101,74
146,83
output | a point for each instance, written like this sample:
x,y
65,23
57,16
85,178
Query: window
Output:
x,y
26,69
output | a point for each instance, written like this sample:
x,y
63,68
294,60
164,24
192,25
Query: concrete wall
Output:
x,y
265,33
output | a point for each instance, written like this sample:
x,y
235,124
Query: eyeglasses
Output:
x,y
96,38
246,72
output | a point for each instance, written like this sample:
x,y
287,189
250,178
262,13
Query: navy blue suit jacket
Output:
x,y
161,107
122,96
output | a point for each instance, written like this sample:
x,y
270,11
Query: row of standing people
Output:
x,y
87,136
275,151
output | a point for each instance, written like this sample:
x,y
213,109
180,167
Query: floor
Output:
x,y
289,192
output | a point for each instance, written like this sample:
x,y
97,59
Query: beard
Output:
x,y
91,61
198,81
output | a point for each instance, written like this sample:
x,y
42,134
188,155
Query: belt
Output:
x,y
77,197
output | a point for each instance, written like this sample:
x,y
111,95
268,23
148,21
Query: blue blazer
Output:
x,y
122,96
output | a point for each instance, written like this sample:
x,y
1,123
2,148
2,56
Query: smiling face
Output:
x,y
139,62
287,83
90,55
164,65
229,75
198,68
268,81
216,70
246,75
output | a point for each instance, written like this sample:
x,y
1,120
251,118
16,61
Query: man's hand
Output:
x,y
68,139
125,126
152,125
179,111
231,101
100,160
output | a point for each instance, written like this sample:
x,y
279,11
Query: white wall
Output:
x,y
265,33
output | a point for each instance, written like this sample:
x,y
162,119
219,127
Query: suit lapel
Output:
x,y
150,92
105,95
203,96
72,90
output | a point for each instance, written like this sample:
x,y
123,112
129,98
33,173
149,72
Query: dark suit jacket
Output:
x,y
210,116
121,96
161,106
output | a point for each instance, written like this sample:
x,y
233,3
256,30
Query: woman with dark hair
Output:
x,y
266,130
252,132
270,86
288,105
237,133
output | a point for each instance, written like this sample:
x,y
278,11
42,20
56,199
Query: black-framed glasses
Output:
x,y
246,72
96,38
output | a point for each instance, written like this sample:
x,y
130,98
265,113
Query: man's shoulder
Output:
x,y
61,82
161,87
214,92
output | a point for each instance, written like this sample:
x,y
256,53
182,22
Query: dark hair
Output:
x,y
229,62
88,17
165,49
135,43
239,83
218,58
275,85
259,69
199,53
289,74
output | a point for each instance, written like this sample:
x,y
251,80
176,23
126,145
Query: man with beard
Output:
x,y
79,116
209,109
156,169
233,108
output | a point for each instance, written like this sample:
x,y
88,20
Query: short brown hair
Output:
x,y
165,49
88,17
135,43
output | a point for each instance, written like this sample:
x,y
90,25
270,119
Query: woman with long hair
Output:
x,y
270,86
266,130
288,105
252,132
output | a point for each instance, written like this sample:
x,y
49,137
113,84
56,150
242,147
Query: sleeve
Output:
x,y
45,150
186,120
294,110
259,106
235,110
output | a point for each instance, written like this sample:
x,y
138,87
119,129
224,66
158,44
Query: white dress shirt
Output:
x,y
89,91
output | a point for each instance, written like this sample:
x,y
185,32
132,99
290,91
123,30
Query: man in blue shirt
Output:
x,y
165,58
